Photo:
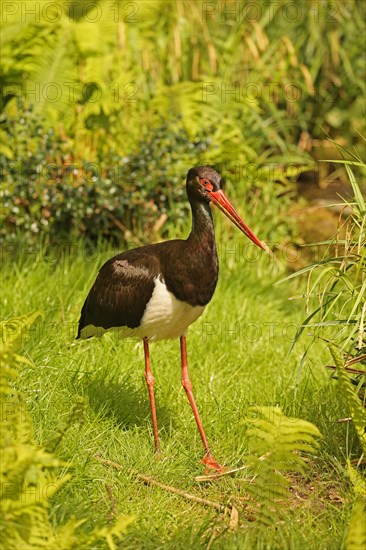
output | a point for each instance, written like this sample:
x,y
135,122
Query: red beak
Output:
x,y
221,201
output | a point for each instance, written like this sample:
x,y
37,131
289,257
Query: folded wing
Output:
x,y
118,298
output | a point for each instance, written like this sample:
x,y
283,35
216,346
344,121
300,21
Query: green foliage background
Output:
x,y
123,97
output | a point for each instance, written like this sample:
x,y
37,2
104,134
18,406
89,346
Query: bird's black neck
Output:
x,y
202,223
190,267
201,255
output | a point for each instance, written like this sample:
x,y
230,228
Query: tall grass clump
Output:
x,y
336,314
336,285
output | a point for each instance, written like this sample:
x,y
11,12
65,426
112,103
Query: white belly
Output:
x,y
164,317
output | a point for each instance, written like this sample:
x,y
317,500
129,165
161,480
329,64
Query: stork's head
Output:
x,y
204,185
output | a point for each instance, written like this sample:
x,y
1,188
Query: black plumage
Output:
x,y
125,283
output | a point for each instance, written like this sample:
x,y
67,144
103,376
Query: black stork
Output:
x,y
156,291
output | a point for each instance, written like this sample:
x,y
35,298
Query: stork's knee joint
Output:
x,y
187,384
150,380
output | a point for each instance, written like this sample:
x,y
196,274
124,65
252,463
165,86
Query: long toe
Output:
x,y
211,464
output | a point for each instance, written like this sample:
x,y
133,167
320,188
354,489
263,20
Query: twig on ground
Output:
x,y
112,511
348,419
216,475
151,481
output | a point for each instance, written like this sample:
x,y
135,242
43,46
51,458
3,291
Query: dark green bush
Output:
x,y
49,191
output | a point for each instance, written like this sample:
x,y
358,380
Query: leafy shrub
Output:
x,y
49,191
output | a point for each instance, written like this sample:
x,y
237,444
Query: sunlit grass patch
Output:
x,y
238,357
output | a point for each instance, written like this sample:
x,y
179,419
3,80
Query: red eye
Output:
x,y
206,183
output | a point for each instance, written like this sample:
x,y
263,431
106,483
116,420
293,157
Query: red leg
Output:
x,y
208,459
150,381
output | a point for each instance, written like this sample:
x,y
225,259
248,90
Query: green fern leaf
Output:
x,y
13,330
117,530
276,442
358,481
356,534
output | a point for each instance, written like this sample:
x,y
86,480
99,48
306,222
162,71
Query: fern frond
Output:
x,y
356,534
13,331
117,530
357,412
276,442
358,481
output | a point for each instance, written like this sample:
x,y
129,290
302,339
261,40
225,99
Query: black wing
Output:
x,y
122,289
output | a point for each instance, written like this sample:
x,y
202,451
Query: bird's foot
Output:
x,y
158,454
211,464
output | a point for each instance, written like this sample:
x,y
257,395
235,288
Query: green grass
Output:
x,y
238,358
